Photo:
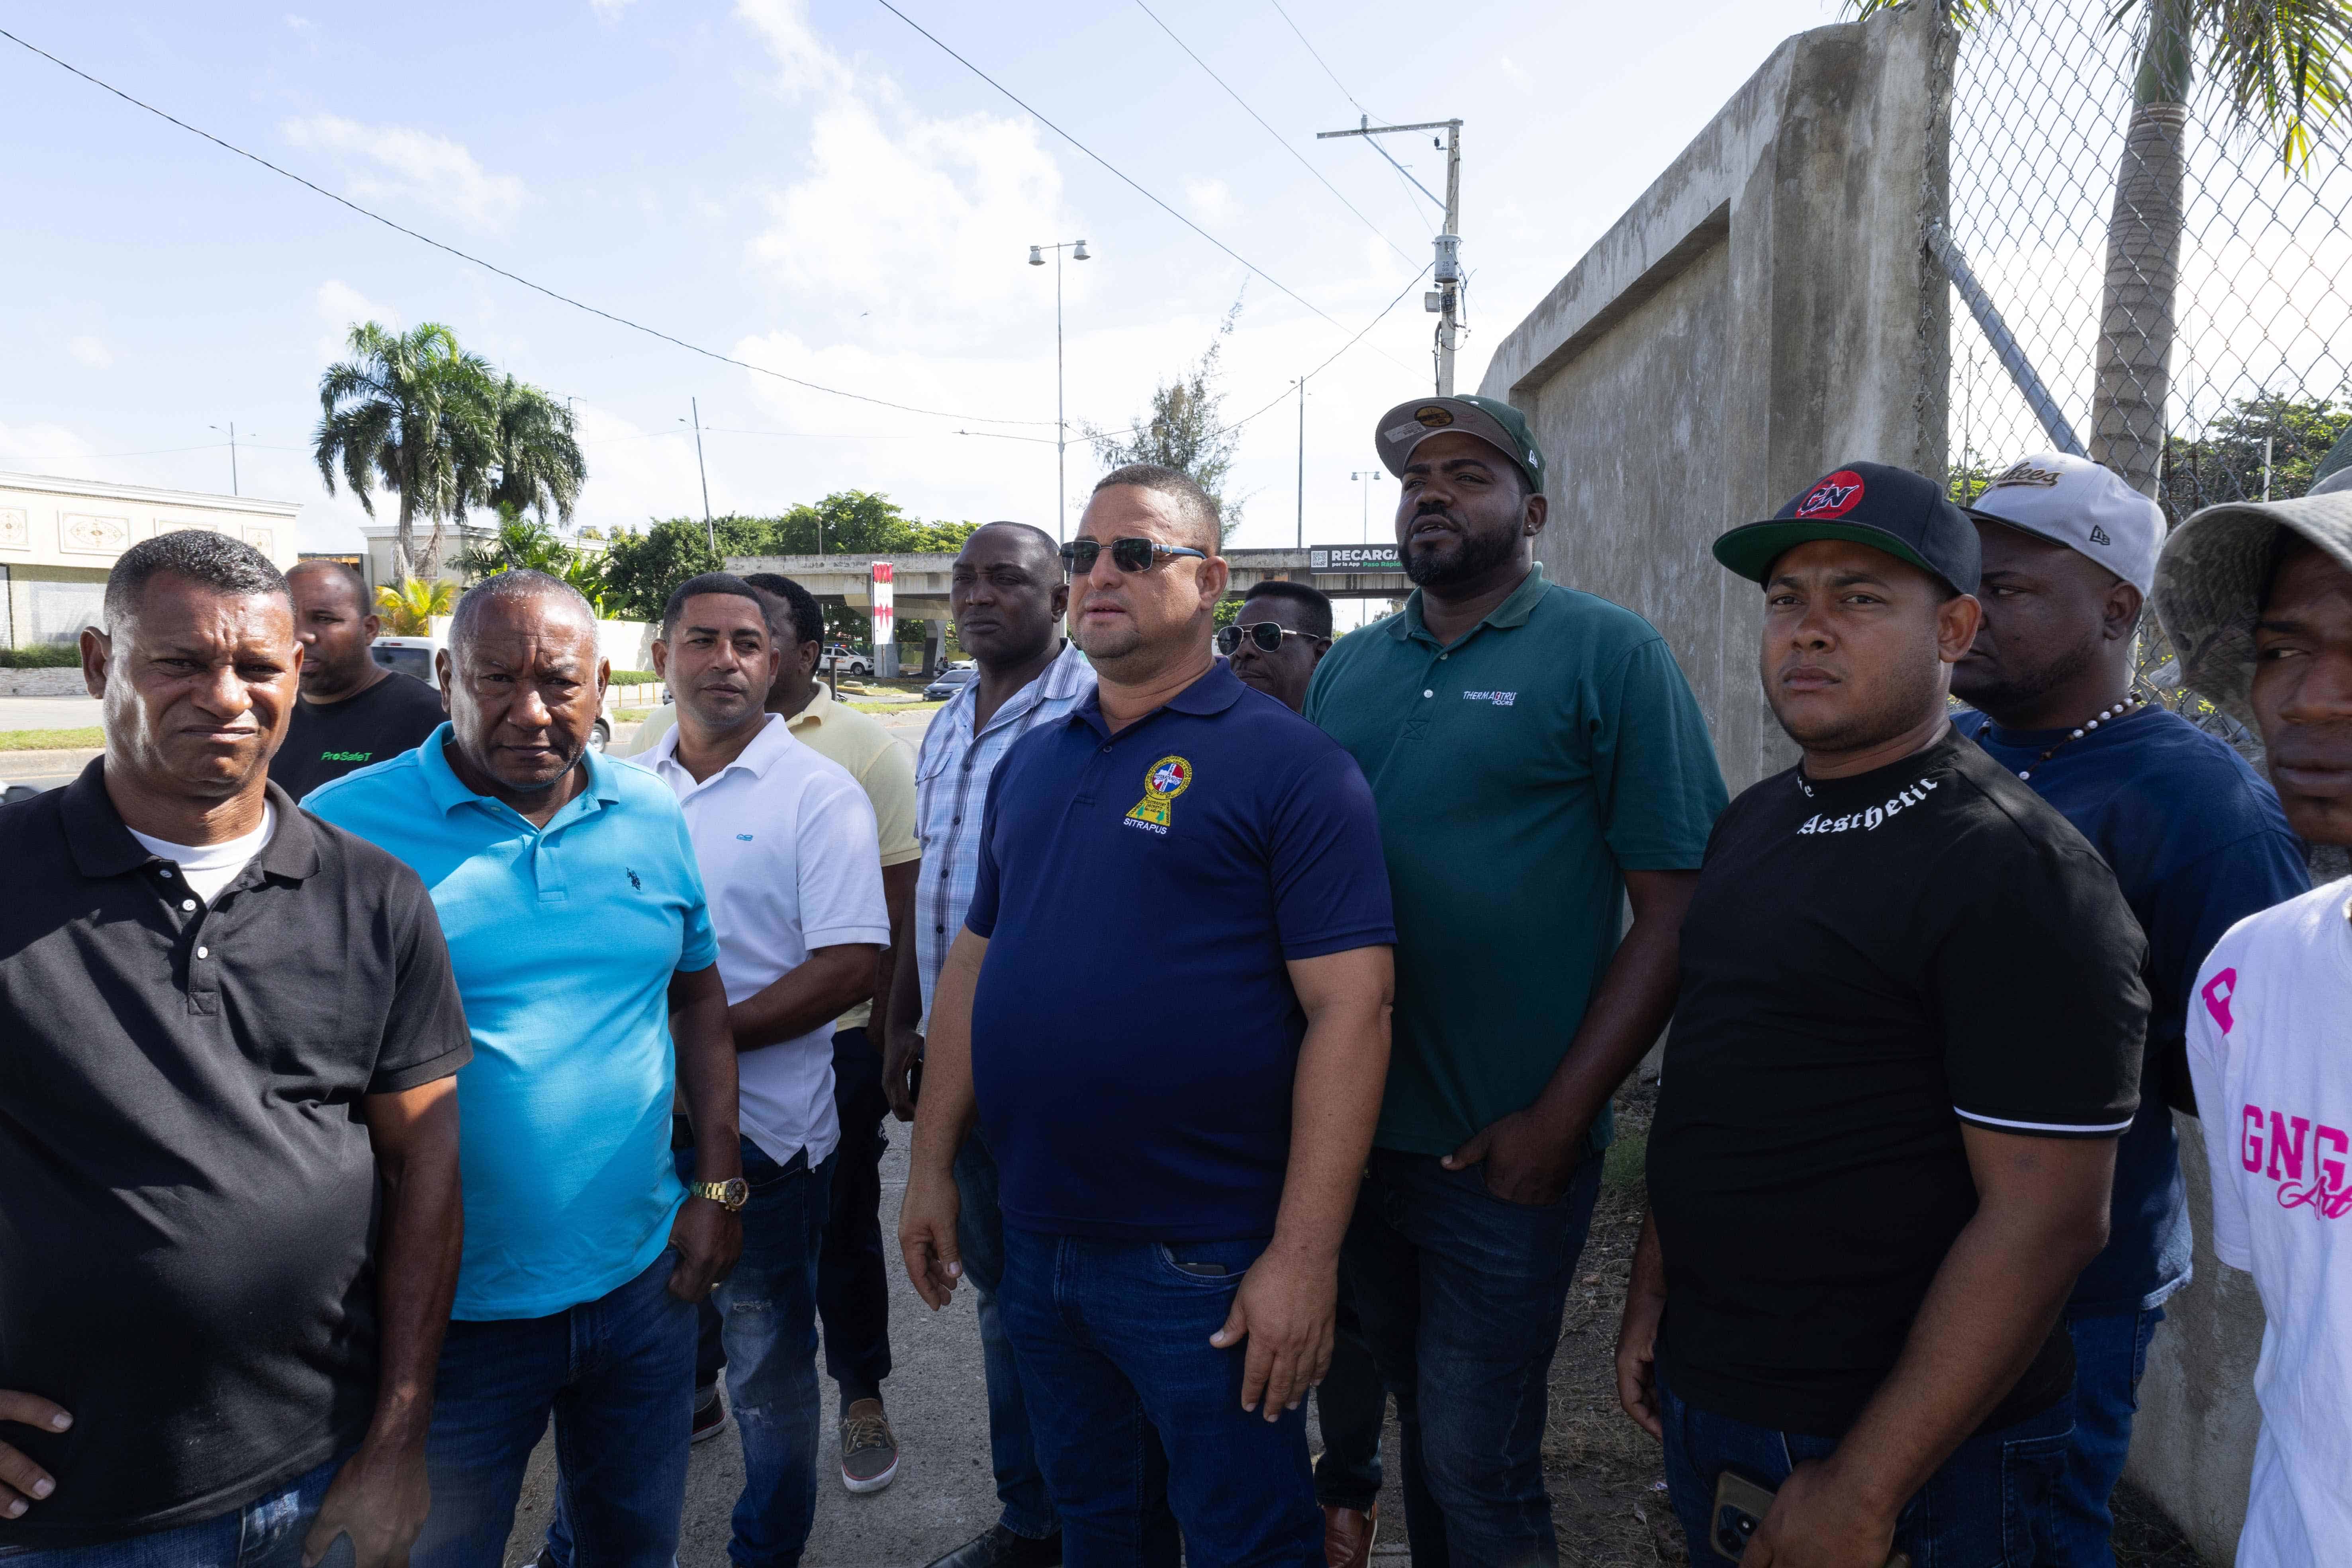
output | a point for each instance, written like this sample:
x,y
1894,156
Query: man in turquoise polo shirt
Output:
x,y
581,939
1538,762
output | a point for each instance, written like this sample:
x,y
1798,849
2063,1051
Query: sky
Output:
x,y
814,188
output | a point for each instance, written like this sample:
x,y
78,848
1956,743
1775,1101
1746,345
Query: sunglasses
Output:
x,y
1078,555
1263,635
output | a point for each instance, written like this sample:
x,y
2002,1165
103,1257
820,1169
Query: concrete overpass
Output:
x,y
919,583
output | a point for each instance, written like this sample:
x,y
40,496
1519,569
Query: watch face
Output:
x,y
736,1190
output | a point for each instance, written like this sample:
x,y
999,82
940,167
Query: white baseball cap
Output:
x,y
2078,503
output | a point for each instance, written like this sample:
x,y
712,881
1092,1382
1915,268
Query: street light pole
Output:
x,y
1078,250
1365,478
708,526
1446,301
232,458
1302,463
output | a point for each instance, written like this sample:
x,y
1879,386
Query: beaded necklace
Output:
x,y
2131,704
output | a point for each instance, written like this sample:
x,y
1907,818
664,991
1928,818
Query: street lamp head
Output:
x,y
1036,256
1080,253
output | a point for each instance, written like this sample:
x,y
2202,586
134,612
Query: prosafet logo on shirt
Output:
x,y
1914,794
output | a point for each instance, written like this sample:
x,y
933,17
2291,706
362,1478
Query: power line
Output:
x,y
511,277
1114,170
1270,131
1318,59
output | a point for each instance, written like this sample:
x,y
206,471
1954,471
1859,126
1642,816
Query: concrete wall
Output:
x,y
1765,312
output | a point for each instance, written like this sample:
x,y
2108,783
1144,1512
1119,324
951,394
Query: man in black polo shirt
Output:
x,y
1907,1035
231,1031
353,713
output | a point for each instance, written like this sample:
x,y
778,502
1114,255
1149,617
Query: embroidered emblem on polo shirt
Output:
x,y
1499,699
632,880
1169,777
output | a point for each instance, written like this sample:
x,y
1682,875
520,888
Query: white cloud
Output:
x,y
395,161
90,352
803,60
41,448
608,10
1212,201
301,23
341,307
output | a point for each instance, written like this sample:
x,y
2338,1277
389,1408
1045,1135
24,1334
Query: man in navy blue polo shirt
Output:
x,y
1168,1012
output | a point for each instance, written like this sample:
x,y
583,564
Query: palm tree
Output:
x,y
539,461
521,541
408,610
2282,66
410,410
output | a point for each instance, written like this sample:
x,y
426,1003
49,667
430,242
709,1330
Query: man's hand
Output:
x,y
901,1052
1528,1157
379,1499
1816,1523
927,1235
1637,1361
22,1482
708,1240
1284,1308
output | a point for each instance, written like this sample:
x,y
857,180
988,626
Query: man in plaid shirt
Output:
x,y
1008,597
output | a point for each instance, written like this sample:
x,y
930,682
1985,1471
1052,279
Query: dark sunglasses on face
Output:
x,y
1128,554
1264,635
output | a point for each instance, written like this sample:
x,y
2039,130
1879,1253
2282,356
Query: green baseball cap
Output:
x,y
1493,421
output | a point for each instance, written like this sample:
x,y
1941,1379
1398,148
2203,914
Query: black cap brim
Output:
x,y
1751,549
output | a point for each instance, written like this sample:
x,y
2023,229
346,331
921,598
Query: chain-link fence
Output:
x,y
2142,281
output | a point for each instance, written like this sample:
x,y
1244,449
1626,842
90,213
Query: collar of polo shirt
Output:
x,y
755,758
102,844
449,791
1214,692
1513,611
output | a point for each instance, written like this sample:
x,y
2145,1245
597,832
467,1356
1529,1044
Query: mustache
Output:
x,y
2326,744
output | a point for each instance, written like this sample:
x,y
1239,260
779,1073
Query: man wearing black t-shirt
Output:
x,y
1907,1035
354,712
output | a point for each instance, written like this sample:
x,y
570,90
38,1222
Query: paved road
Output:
x,y
48,712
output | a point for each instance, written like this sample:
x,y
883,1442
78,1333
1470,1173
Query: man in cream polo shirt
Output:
x,y
786,844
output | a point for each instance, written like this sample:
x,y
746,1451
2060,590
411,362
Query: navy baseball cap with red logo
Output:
x,y
1888,509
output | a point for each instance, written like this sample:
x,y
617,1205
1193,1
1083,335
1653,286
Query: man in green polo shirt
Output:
x,y
1538,762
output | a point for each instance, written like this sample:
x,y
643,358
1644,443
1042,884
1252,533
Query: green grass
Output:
x,y
893,707
45,656
51,739
633,715
1621,1167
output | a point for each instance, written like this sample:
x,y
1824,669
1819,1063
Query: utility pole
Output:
x,y
1078,250
1445,301
708,527
1302,462
232,459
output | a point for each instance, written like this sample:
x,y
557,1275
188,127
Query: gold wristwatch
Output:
x,y
729,1195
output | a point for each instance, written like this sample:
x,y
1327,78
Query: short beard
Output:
x,y
2009,691
1476,557
1904,702
1108,644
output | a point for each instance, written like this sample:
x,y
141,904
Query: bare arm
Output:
x,y
902,1047
2041,1216
927,1218
806,998
1637,1333
378,1497
1284,1304
1529,1154
708,1239
898,899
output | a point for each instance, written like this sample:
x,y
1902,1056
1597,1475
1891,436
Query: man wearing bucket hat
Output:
x,y
2196,842
2257,599
1538,763
1907,1035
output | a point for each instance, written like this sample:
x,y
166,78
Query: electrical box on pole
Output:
x,y
1444,302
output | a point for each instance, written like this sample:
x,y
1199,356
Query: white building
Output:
x,y
59,538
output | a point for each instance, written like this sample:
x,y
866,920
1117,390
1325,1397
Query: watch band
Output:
x,y
729,1195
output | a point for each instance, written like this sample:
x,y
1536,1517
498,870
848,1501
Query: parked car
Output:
x,y
847,660
951,681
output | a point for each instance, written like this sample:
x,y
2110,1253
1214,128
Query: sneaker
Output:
x,y
997,1547
869,1452
710,1415
1349,1534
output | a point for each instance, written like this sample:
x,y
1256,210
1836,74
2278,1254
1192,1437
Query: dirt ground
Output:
x,y
1608,1484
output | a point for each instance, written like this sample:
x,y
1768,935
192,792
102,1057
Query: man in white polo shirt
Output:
x,y
786,844
2257,597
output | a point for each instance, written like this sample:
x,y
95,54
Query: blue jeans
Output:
x,y
767,1310
980,1236
2110,1357
617,1374
1993,1504
1461,1295
267,1532
1139,1420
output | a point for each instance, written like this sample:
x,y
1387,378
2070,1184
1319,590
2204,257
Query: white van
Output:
x,y
415,656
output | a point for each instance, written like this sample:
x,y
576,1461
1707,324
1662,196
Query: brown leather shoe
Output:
x,y
1349,1534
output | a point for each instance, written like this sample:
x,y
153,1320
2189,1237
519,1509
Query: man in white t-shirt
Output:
x,y
787,843
2257,599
